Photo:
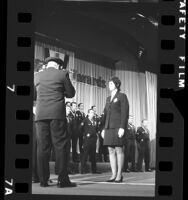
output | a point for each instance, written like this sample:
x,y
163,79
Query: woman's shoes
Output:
x,y
111,180
115,180
119,181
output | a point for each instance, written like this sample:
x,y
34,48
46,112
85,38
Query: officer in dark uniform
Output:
x,y
103,150
74,131
89,143
130,145
98,145
52,86
80,118
143,145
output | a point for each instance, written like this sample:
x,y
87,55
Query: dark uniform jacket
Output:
x,y
69,123
80,116
52,86
101,122
90,129
142,135
73,117
131,132
116,112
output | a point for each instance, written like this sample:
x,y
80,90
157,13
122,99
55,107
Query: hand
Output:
x,y
71,74
121,132
102,134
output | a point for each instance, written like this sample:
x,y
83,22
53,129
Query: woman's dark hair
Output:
x,y
116,81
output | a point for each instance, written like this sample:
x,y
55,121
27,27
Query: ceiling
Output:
x,y
115,33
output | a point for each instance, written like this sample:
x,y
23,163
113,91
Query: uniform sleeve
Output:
x,y
124,111
69,89
138,135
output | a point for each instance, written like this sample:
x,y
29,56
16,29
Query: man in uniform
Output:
x,y
143,145
80,118
98,145
89,144
130,145
103,150
52,85
74,131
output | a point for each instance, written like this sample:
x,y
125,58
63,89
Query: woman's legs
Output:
x,y
120,161
113,161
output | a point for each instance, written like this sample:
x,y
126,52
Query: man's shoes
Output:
x,y
66,184
44,185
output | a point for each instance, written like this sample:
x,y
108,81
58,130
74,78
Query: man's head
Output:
x,y
94,108
73,106
81,106
145,123
68,103
91,113
53,62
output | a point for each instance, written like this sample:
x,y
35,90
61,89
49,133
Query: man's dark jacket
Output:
x,y
52,86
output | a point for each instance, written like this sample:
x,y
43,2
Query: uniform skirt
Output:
x,y
111,138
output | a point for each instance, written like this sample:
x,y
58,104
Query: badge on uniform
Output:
x,y
115,100
88,135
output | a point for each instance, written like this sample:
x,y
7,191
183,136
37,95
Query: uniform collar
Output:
x,y
114,96
145,129
73,112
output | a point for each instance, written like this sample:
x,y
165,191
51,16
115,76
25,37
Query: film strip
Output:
x,y
19,84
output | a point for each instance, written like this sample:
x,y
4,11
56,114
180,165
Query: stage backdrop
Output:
x,y
140,88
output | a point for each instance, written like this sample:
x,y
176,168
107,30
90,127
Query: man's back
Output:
x,y
52,86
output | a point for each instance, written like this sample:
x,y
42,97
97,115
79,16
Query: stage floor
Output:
x,y
134,184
